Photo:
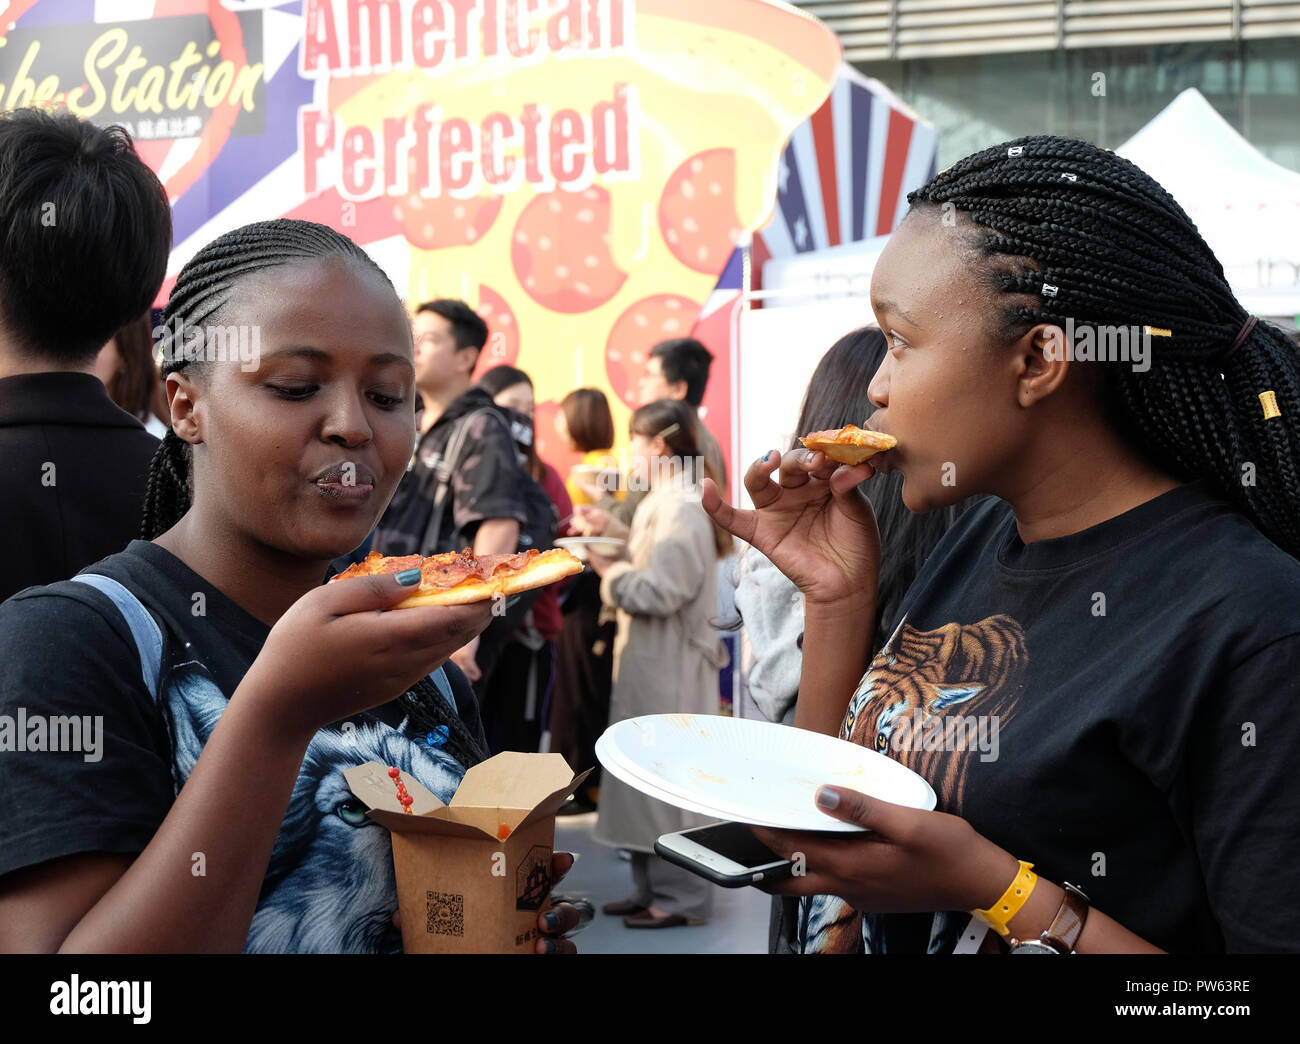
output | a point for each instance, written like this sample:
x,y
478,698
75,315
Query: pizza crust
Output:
x,y
539,570
850,444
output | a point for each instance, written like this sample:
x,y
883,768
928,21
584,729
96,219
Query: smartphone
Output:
x,y
727,854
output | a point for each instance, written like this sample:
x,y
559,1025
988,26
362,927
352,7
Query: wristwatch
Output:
x,y
1063,933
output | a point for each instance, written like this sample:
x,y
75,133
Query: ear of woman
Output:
x,y
182,396
1044,364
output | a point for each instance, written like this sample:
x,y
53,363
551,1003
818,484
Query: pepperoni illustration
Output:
x,y
444,221
697,212
560,250
641,326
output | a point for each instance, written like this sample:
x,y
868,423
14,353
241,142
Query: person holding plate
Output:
x,y
1120,620
666,653
584,657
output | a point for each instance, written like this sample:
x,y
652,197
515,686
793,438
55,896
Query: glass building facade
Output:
x,y
1102,95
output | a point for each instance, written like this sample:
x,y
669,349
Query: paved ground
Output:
x,y
738,925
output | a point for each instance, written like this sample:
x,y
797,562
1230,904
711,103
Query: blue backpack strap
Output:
x,y
149,639
144,628
439,678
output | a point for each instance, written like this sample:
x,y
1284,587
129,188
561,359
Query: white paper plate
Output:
x,y
617,767
609,547
751,771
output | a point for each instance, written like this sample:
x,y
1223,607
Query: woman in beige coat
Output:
x,y
666,653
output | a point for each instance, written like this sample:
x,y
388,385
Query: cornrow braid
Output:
x,y
167,493
203,288
1074,232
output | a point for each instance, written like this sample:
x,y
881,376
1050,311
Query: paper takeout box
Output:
x,y
472,876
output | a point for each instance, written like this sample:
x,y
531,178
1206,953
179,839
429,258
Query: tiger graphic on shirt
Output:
x,y
919,686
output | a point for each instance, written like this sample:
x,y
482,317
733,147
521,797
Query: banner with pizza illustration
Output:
x,y
578,170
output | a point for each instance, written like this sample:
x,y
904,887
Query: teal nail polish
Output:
x,y
552,946
408,577
766,456
552,921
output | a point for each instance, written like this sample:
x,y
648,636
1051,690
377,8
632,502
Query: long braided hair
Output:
x,y
1090,237
203,288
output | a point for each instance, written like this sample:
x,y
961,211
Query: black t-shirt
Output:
x,y
486,479
68,653
73,467
1143,675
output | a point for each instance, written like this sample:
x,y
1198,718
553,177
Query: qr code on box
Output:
x,y
446,913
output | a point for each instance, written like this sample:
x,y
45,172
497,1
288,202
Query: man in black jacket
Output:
x,y
86,231
484,508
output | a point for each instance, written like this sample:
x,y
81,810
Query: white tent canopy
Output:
x,y
1246,206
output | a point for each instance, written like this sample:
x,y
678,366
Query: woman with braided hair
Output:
x,y
230,685
1096,669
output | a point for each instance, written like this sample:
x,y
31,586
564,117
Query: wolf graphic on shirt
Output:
x,y
916,678
330,886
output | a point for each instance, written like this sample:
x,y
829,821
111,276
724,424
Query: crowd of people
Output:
x,y
173,518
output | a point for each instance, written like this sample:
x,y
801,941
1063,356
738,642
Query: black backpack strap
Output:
x,y
446,467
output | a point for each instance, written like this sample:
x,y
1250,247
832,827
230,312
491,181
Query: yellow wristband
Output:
x,y
999,915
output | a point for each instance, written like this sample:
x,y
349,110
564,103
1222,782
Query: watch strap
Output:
x,y
1062,935
1066,927
972,936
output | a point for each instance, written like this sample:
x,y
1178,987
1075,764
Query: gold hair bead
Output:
x,y
1157,331
1269,401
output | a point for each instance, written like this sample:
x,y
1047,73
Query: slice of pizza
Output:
x,y
850,444
459,578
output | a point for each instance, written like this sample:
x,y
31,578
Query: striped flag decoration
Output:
x,y
845,175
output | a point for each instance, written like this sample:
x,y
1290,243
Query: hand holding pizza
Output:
x,y
335,652
594,521
589,521
812,522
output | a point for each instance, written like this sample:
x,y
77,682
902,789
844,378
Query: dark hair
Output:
x,y
685,359
135,385
494,382
836,396
202,290
82,220
679,426
587,416
467,326
1068,231
499,378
